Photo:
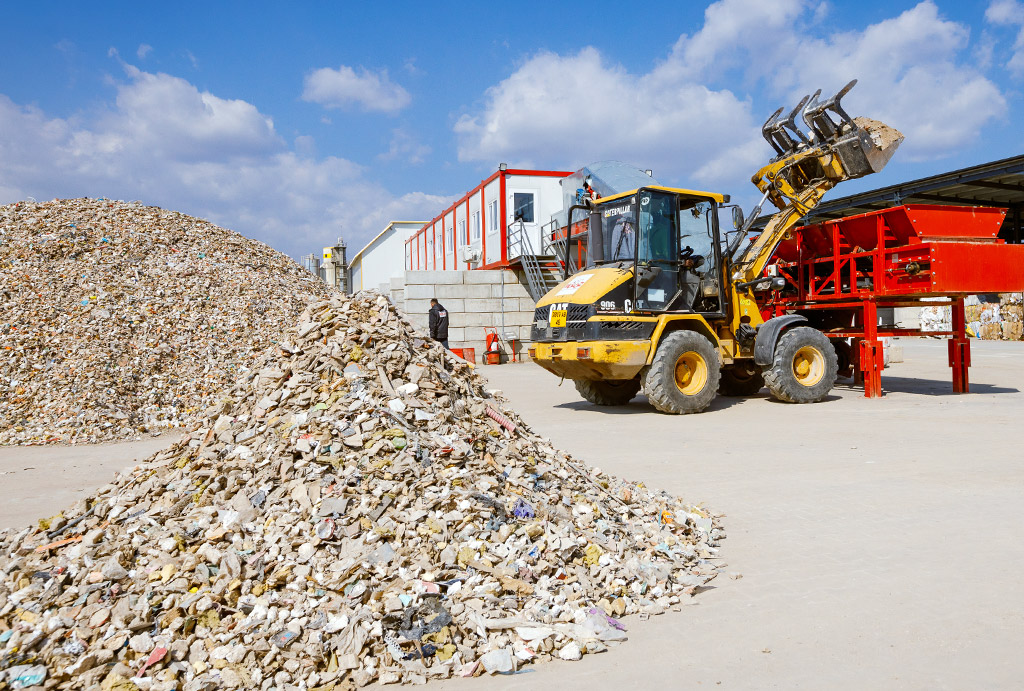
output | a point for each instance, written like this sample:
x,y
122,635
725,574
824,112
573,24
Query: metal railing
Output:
x,y
538,280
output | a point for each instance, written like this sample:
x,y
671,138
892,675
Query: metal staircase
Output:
x,y
539,268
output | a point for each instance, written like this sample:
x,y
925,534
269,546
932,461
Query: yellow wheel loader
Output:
x,y
667,305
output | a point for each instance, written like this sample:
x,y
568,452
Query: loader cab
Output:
x,y
670,240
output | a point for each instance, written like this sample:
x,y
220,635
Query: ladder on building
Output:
x,y
538,268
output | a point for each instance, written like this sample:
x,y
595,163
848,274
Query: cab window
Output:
x,y
657,228
619,222
695,229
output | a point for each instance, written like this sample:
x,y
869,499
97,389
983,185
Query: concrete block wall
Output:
x,y
397,290
475,300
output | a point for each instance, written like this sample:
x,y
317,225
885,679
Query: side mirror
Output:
x,y
737,217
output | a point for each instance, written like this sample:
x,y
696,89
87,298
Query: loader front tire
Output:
x,y
608,392
804,368
683,377
741,380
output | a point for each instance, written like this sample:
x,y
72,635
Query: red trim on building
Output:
x,y
503,218
483,224
419,237
539,173
468,230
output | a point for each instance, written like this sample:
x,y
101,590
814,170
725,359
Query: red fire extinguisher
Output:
x,y
493,353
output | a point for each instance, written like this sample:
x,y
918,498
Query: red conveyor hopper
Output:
x,y
840,273
914,250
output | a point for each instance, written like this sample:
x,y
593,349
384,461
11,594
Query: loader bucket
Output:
x,y
863,146
872,148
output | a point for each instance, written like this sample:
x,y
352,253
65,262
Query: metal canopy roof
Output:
x,y
999,184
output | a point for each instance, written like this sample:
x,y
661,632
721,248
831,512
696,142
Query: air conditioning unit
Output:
x,y
470,254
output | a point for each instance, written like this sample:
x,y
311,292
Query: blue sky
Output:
x,y
286,122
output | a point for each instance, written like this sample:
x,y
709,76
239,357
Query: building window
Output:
x,y
492,217
462,228
522,206
430,249
448,241
408,257
476,225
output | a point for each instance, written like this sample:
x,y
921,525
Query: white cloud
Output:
x,y
144,50
225,163
405,147
1010,13
170,118
733,31
915,72
344,88
565,111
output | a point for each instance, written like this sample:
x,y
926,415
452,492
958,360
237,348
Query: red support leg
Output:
x,y
959,349
872,358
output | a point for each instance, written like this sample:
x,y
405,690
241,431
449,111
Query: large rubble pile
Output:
x,y
358,508
119,319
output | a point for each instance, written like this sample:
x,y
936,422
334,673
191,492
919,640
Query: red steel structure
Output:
x,y
839,273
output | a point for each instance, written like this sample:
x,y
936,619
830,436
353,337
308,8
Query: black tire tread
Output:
x,y
659,378
778,377
731,385
608,393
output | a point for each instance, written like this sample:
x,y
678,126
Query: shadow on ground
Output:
x,y
927,387
640,404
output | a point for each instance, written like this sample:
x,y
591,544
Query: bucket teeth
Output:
x,y
790,122
860,148
818,120
834,105
782,132
811,107
767,131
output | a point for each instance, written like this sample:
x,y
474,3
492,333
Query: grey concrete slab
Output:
x,y
879,541
39,481
434,277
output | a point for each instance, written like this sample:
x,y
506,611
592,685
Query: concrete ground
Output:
x,y
39,481
880,542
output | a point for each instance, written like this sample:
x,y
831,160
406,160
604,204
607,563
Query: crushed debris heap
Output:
x,y
118,319
358,508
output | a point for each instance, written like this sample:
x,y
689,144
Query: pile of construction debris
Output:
x,y
119,319
357,508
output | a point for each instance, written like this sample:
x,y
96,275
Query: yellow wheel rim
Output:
x,y
691,373
808,366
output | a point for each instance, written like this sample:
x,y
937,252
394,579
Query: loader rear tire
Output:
x,y
608,392
683,377
804,368
741,380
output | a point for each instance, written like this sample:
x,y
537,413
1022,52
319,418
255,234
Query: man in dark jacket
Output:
x,y
438,322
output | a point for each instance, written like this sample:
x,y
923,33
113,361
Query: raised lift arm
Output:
x,y
808,165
